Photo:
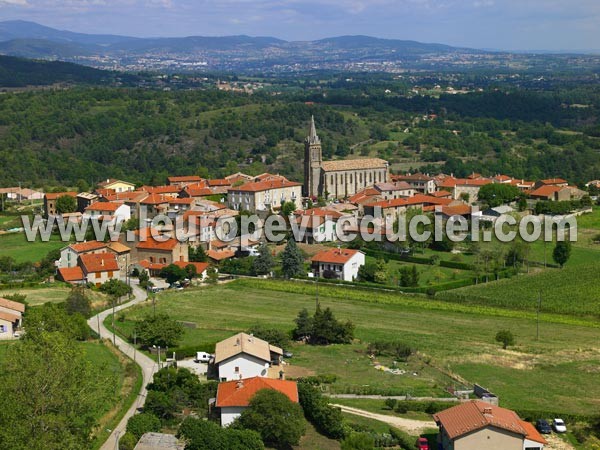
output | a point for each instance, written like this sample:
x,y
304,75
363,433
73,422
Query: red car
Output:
x,y
422,444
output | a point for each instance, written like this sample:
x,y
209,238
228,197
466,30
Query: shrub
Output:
x,y
142,423
391,403
128,441
326,419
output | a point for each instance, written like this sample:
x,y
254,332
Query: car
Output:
x,y
422,443
559,426
287,354
203,357
543,426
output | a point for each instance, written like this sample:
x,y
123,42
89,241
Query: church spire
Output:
x,y
312,135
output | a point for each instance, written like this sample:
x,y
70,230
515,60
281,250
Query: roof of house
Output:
x,y
219,182
155,199
219,255
104,206
117,247
8,316
185,179
532,434
10,304
239,393
55,195
412,177
419,199
547,190
152,244
319,212
200,266
199,191
151,266
475,415
456,210
551,181
88,246
71,274
441,194
99,262
111,181
244,343
161,189
159,441
258,186
354,164
335,255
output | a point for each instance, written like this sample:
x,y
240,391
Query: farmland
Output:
x,y
453,341
16,246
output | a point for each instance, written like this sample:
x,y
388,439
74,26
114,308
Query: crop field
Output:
x,y
16,246
452,342
53,293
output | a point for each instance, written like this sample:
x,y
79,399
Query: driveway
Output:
x,y
411,426
148,366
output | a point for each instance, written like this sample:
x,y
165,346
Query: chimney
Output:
x,y
240,384
102,262
487,411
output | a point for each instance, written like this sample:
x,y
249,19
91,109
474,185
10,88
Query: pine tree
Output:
x,y
292,261
264,262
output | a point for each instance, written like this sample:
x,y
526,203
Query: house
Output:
x,y
466,189
340,263
85,199
319,224
201,268
98,268
11,317
552,182
166,250
50,201
479,425
397,189
245,356
108,211
69,255
550,192
267,195
122,252
159,441
155,204
71,275
421,183
183,181
492,214
116,185
234,396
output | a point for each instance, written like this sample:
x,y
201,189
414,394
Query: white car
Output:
x,y
559,426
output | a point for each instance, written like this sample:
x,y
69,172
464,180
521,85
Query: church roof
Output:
x,y
312,137
354,164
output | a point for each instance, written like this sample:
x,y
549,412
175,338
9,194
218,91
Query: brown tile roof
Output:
x,y
412,177
475,415
8,317
239,393
185,179
117,247
258,186
89,246
532,434
155,199
219,255
335,255
152,244
55,195
104,206
546,191
244,343
161,189
354,164
71,274
554,181
10,304
200,266
99,262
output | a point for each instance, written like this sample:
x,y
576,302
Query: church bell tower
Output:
x,y
313,157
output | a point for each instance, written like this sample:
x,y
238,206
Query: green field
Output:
x,y
450,341
16,246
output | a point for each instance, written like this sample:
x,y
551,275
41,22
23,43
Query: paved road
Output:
x,y
411,426
148,366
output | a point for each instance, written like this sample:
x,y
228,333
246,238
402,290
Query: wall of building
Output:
x,y
6,330
248,366
489,438
345,183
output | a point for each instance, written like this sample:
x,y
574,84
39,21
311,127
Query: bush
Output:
x,y
128,441
390,403
404,440
327,419
358,441
431,407
206,435
142,423
394,349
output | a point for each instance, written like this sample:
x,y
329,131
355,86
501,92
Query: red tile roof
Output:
x,y
441,194
322,212
219,182
99,262
456,210
475,415
104,206
83,247
546,191
152,244
239,393
161,189
71,274
8,317
10,304
532,433
55,195
259,186
554,181
155,199
200,266
335,256
219,255
185,179
413,177
152,266
199,191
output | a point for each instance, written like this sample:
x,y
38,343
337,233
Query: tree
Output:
x,y
278,420
327,419
173,274
358,441
66,204
79,302
197,254
328,330
159,330
128,441
206,435
160,404
506,338
143,423
562,252
292,261
191,271
380,275
115,288
212,276
390,403
273,336
53,394
288,208
264,262
496,194
304,325
53,318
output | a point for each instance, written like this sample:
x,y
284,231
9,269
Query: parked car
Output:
x,y
543,426
422,443
203,357
287,354
559,426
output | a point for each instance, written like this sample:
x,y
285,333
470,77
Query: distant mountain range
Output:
x,y
238,53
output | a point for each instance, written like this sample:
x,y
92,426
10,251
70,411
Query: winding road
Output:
x,y
148,366
410,426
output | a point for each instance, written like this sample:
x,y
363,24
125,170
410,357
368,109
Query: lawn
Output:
x,y
16,246
53,293
453,343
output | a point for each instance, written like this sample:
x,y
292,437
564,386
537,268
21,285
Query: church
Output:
x,y
338,179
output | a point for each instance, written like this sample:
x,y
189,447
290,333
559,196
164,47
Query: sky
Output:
x,y
489,24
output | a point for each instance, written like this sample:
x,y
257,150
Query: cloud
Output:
x,y
14,2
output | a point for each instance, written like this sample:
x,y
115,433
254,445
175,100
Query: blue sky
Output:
x,y
499,24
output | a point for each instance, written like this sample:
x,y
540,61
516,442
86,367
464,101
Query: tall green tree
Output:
x,y
78,302
279,421
561,252
292,261
66,204
159,330
264,262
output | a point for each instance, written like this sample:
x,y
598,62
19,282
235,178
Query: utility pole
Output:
x,y
134,344
537,337
99,331
113,321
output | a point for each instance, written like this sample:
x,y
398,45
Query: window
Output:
x,y
110,274
98,275
2,329
237,370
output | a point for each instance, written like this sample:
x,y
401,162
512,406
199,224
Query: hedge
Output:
x,y
456,265
188,352
398,257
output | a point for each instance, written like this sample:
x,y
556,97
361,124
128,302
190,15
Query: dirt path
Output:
x,y
556,443
411,426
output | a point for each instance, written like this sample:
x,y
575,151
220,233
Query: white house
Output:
x,y
98,268
69,255
11,316
318,224
234,396
111,211
245,356
341,263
